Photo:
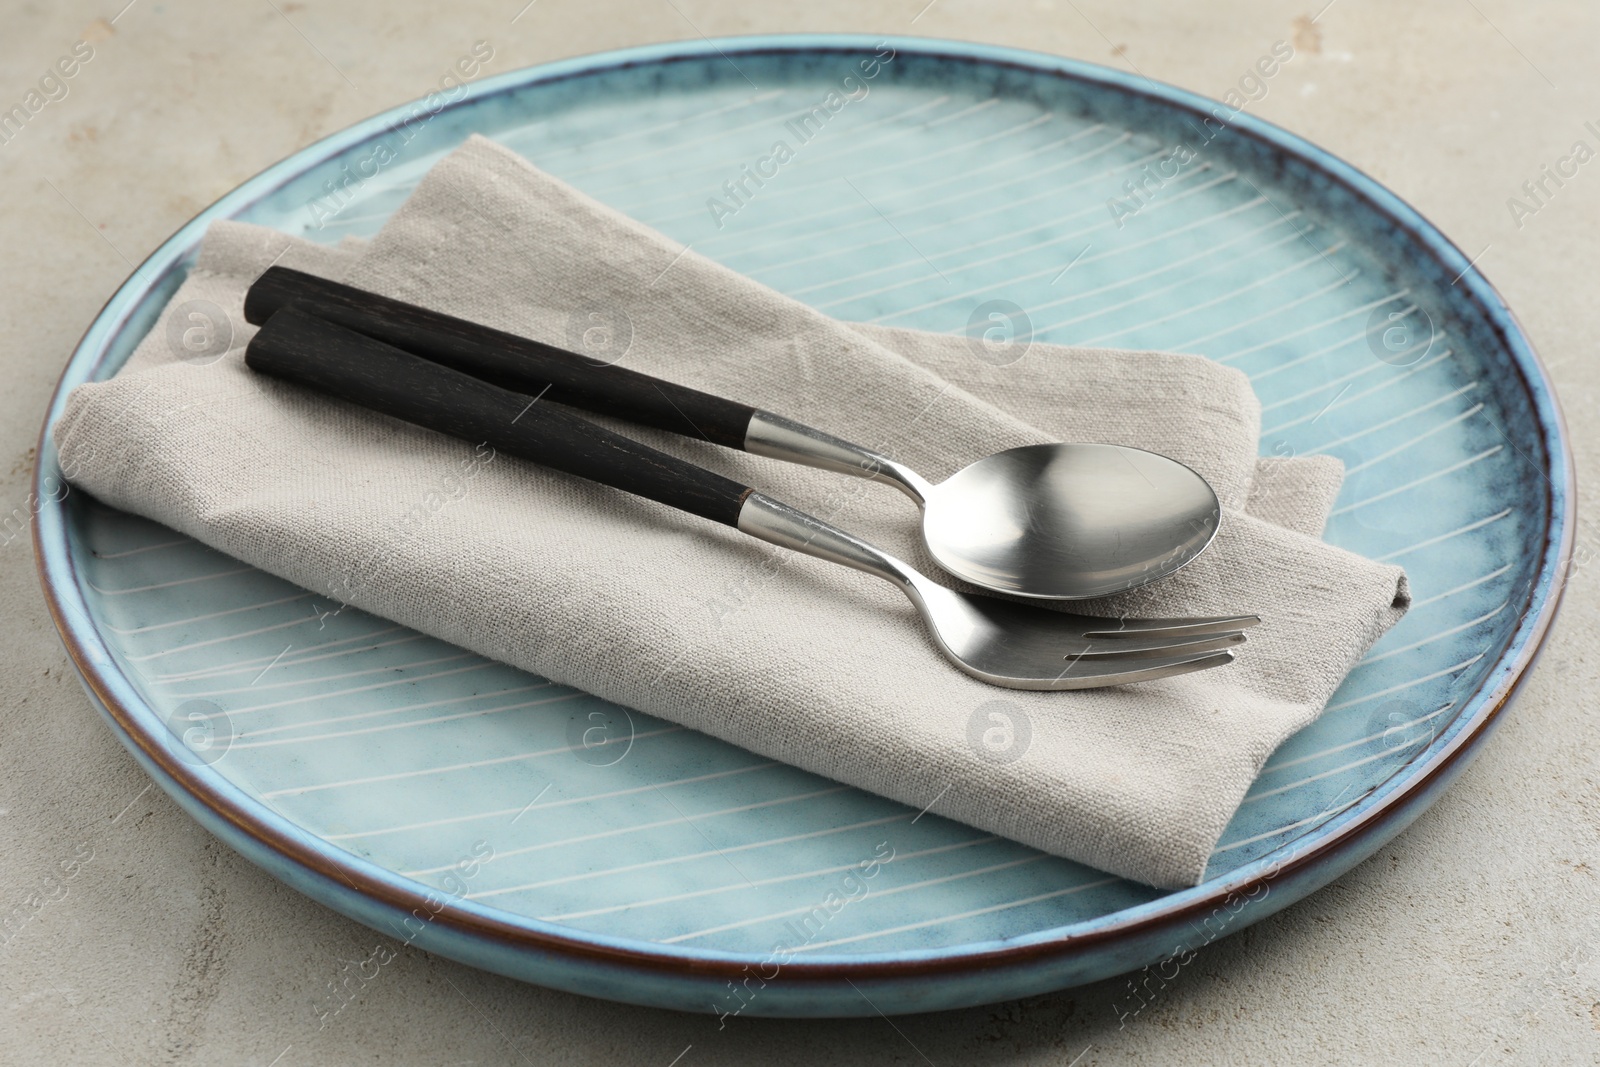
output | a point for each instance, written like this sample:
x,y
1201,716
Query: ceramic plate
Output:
x,y
496,818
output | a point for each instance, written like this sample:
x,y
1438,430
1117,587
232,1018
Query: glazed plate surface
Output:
x,y
379,770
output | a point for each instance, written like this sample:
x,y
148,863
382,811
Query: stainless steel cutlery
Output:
x,y
1004,642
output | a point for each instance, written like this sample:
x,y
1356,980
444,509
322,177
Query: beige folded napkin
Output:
x,y
791,657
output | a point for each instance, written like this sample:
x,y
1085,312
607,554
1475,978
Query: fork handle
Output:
x,y
504,359
310,352
297,347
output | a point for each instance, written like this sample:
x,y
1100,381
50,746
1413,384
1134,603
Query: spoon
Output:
x,y
1050,521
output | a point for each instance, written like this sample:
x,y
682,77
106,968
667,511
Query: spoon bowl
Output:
x,y
1069,521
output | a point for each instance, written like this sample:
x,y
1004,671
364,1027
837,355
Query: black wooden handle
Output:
x,y
504,359
351,366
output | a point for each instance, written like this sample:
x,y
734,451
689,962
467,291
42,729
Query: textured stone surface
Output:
x,y
1456,944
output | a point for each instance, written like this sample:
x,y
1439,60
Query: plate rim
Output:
x,y
1402,797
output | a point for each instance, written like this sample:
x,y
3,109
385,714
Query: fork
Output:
x,y
1009,644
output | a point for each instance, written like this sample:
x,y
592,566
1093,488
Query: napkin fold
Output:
x,y
791,657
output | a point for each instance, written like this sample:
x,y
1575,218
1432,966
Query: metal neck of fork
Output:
x,y
778,437
779,524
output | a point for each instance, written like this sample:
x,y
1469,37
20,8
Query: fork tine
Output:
x,y
1160,643
1086,674
1173,627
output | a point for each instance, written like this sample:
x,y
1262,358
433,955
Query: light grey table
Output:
x,y
1472,939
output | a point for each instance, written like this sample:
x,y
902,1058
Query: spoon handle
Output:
x,y
504,359
536,368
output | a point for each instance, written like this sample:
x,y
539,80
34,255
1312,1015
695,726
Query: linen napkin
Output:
x,y
793,658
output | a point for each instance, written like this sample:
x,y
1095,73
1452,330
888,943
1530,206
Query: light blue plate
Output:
x,y
378,770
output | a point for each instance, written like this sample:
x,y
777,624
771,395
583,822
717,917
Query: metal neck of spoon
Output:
x,y
778,437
